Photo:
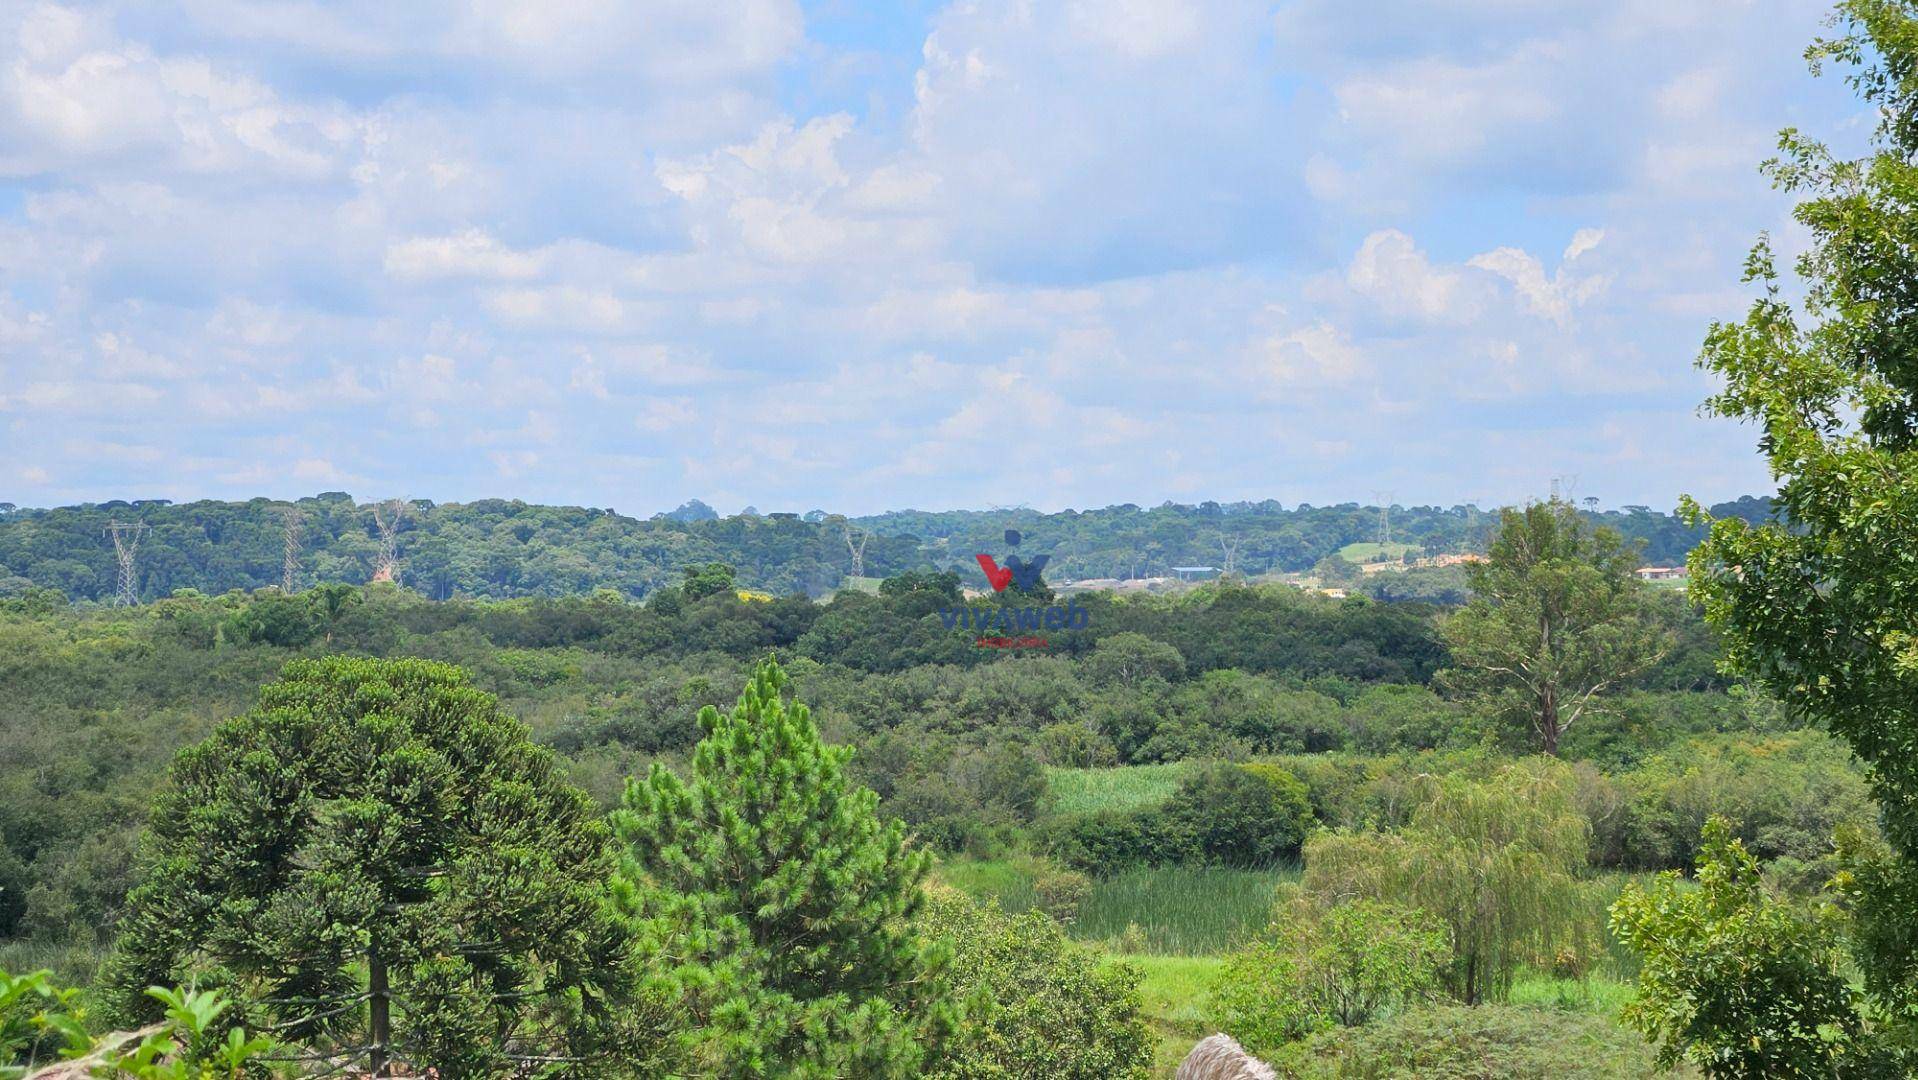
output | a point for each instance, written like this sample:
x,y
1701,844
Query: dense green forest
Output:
x,y
1141,792
498,549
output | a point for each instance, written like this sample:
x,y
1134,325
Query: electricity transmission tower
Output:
x,y
388,516
290,519
126,544
856,544
1385,516
1229,545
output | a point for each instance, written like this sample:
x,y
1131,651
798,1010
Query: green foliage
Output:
x,y
383,818
1818,603
183,1045
1784,796
1455,1042
1557,620
1221,813
712,579
936,587
786,905
1737,984
505,548
1239,815
1059,893
1314,969
1495,861
1042,1006
1179,910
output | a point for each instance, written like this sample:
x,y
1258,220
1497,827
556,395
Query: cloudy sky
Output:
x,y
1065,253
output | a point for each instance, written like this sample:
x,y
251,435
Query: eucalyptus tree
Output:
x,y
1557,620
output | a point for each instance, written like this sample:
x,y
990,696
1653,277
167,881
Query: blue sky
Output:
x,y
862,258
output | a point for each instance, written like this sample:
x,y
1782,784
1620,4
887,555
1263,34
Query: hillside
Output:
x,y
497,548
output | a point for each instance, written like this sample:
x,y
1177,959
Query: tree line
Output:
x,y
497,548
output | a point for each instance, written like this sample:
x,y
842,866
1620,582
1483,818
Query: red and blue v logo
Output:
x,y
1016,571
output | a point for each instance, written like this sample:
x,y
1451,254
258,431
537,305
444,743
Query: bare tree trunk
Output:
x,y
380,1007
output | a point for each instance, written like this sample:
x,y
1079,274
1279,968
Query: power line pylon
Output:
x,y
856,544
388,516
1229,545
1385,516
126,545
291,518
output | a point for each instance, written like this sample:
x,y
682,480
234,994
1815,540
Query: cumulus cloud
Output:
x,y
635,253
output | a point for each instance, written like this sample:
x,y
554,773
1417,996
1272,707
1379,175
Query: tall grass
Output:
x,y
1162,911
1179,910
1127,787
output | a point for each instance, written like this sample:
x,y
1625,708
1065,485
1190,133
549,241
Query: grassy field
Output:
x,y
1175,994
1128,787
1367,551
1160,911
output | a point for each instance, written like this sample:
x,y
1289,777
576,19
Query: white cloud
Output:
x,y
1313,355
1391,270
1087,230
470,254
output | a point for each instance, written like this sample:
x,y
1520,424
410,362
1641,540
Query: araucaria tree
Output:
x,y
1558,619
377,857
786,904
1821,604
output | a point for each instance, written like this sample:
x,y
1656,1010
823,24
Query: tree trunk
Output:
x,y
1548,720
380,1007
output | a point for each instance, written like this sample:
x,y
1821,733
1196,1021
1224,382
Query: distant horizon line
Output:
x,y
751,509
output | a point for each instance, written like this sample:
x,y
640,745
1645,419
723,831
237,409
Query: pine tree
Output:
x,y
787,903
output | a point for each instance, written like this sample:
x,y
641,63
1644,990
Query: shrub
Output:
x,y
1059,892
1735,983
1106,841
1239,815
1039,1005
1318,969
184,1045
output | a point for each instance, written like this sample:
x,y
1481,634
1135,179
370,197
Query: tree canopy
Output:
x,y
377,844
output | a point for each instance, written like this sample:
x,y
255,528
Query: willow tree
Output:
x,y
1557,620
1821,603
377,860
1495,861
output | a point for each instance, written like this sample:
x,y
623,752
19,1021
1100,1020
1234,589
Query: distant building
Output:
x,y
1195,573
1659,573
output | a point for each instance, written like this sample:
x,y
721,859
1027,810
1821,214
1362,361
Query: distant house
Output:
x,y
1659,573
1195,573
